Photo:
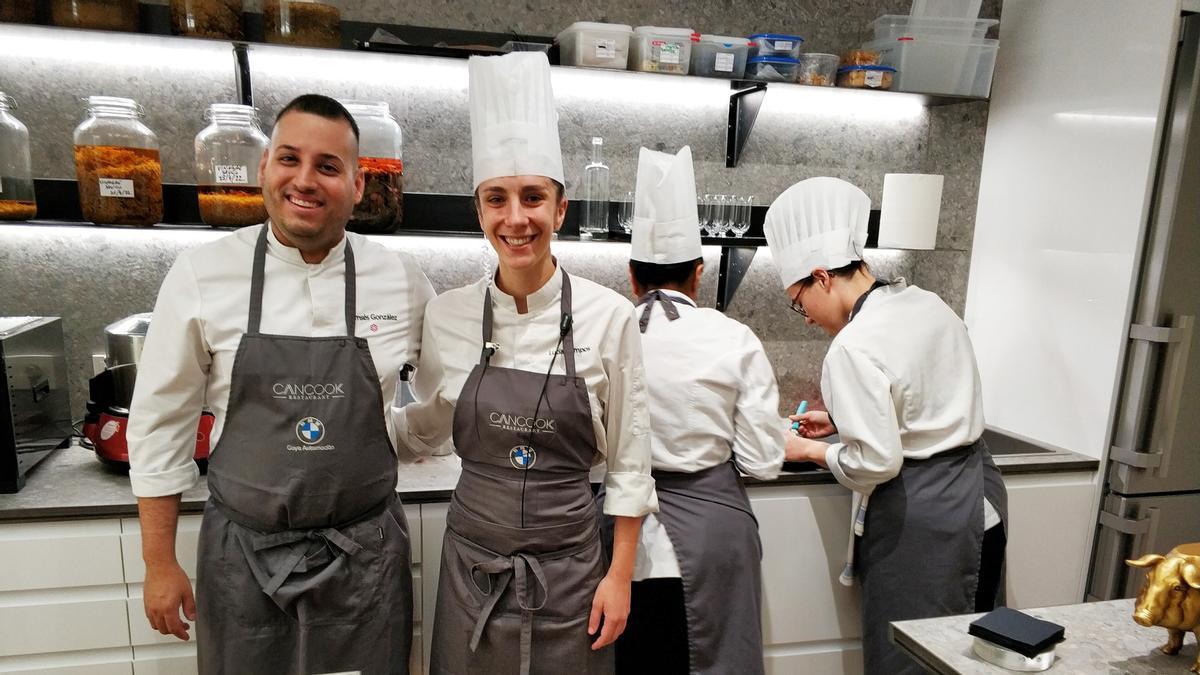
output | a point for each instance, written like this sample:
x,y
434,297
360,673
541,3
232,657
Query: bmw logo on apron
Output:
x,y
522,457
310,430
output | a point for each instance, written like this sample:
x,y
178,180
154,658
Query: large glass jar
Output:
x,y
117,163
310,23
16,176
97,14
228,152
220,19
381,210
17,11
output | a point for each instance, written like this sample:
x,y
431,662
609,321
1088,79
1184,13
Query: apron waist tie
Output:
x,y
299,560
505,568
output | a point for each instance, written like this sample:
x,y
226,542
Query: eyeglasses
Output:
x,y
796,306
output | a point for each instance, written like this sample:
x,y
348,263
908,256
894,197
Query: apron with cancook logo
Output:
x,y
521,558
304,549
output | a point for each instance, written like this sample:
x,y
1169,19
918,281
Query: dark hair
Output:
x,y
651,276
843,271
321,106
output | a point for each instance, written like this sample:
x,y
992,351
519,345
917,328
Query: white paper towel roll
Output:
x,y
912,203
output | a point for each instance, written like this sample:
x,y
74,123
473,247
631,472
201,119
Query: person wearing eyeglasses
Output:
x,y
902,393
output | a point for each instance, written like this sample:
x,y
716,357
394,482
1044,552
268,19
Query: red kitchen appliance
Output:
x,y
111,391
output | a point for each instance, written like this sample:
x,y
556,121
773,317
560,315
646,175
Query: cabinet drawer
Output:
x,y
829,659
187,538
42,622
176,658
60,554
86,662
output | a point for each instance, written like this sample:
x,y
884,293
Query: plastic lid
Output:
x,y
777,36
933,21
844,69
725,40
774,59
594,25
658,30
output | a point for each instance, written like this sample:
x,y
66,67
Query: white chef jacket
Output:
x,y
713,395
201,314
608,356
900,382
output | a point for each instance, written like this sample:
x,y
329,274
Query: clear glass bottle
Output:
x,y
95,14
593,221
16,174
380,157
309,23
228,152
221,19
117,164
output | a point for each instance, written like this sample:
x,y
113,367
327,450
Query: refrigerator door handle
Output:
x,y
1133,526
1178,341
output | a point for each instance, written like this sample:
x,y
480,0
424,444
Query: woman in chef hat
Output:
x,y
903,395
537,376
714,403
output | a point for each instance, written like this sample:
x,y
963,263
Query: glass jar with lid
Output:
x,y
228,152
96,14
381,210
220,19
309,23
18,11
16,174
117,164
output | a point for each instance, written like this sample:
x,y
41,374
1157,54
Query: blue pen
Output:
x,y
800,410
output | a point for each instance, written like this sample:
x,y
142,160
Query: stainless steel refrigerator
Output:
x,y
1151,501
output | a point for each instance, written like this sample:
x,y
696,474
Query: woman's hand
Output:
x,y
815,424
612,603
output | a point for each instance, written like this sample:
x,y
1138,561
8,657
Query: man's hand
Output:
x,y
800,449
815,424
167,589
612,603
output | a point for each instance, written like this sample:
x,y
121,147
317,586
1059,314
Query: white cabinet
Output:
x,y
433,528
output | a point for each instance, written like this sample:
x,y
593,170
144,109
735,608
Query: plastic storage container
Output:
x,y
772,69
939,65
860,57
720,56
117,164
18,11
775,44
866,77
380,158
595,45
96,14
220,19
662,50
228,152
817,69
16,176
309,23
897,26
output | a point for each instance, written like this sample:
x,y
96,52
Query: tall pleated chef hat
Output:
x,y
819,223
514,128
666,227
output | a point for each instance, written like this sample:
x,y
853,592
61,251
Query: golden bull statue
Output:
x,y
1171,595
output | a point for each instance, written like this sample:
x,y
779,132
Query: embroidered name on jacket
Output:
x,y
377,317
308,391
541,425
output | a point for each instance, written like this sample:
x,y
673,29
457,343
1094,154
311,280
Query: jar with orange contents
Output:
x,y
228,151
16,176
381,210
117,164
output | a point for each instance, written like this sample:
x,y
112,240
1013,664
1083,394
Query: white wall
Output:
x,y
1068,168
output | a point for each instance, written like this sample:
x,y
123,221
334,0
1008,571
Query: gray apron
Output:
x,y
521,558
919,553
714,533
304,549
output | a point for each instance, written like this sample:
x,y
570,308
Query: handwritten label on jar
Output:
x,y
724,63
783,44
116,187
669,52
874,78
606,49
232,174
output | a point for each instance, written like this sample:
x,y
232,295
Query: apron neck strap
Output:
x,y
565,324
879,283
648,299
258,276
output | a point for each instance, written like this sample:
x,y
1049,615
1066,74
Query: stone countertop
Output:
x,y
72,483
1101,637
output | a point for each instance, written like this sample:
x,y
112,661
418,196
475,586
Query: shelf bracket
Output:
x,y
744,103
735,261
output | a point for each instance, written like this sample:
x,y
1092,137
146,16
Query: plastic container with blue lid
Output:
x,y
772,69
866,77
776,44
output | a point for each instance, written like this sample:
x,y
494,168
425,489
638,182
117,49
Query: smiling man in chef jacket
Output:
x,y
292,333
713,399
